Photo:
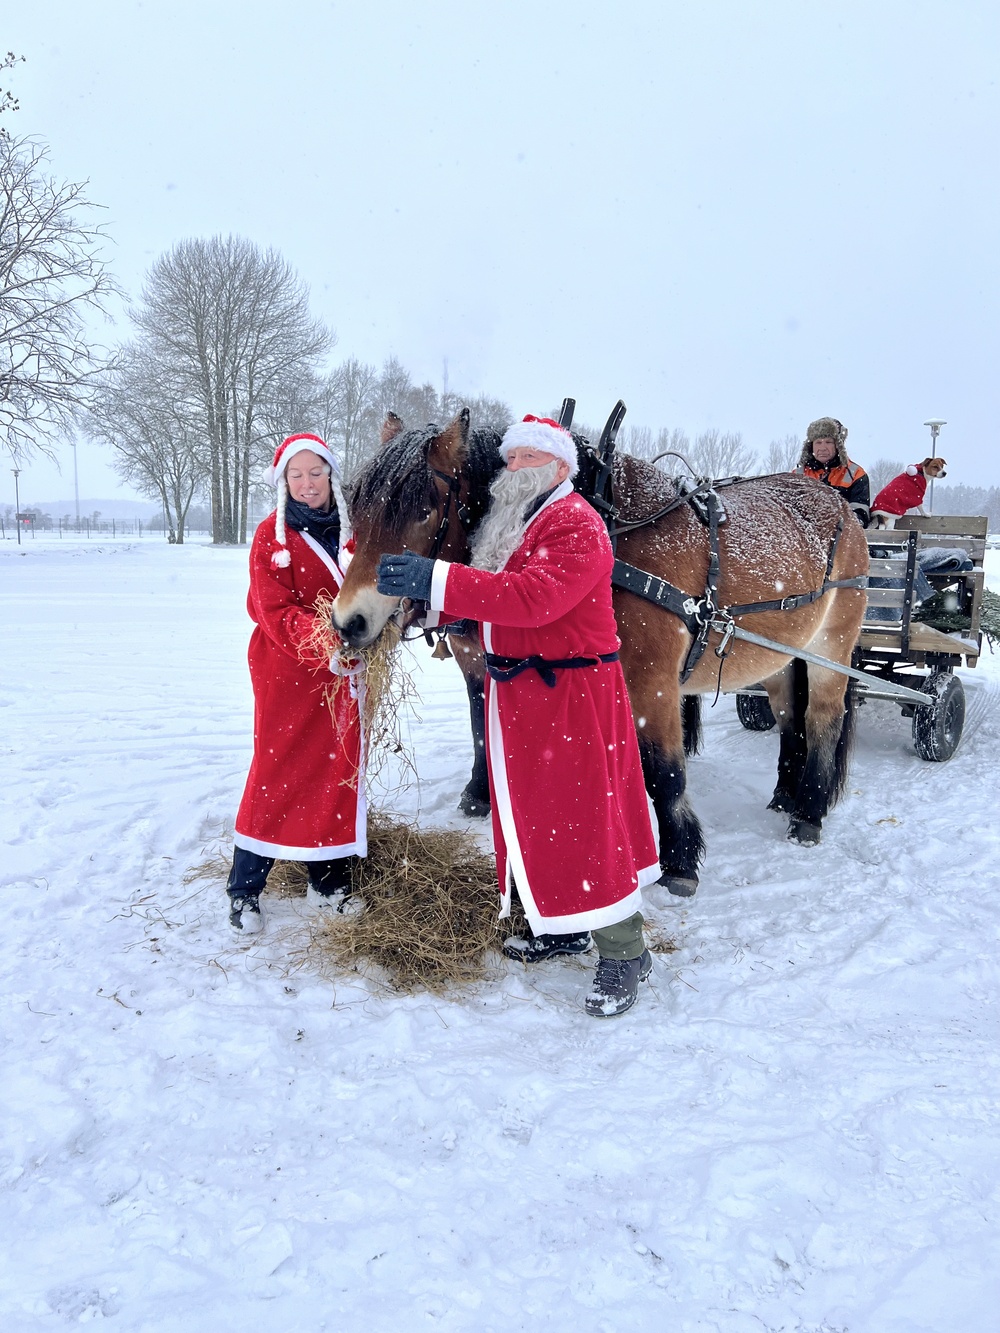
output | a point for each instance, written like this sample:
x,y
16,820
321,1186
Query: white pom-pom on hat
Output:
x,y
275,476
912,469
544,434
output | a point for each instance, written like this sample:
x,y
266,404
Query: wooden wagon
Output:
x,y
902,655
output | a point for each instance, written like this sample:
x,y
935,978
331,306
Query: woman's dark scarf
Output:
x,y
323,525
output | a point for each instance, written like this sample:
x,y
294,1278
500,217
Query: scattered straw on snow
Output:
x,y
430,908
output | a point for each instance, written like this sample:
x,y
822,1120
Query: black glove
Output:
x,y
406,575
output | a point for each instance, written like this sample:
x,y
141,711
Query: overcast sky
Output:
x,y
729,213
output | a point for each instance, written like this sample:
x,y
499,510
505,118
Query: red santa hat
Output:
x,y
275,476
544,434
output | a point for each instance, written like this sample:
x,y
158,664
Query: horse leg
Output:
x,y
788,695
475,798
829,731
661,747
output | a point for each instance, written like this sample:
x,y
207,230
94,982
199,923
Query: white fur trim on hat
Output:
x,y
543,434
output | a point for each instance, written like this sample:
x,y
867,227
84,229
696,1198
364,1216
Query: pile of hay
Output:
x,y
430,918
430,907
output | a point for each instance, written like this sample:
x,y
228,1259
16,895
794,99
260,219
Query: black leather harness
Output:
x,y
701,615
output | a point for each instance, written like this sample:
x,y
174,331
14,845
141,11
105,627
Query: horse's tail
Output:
x,y
691,722
845,744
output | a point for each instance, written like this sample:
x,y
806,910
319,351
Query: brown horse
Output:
x,y
428,489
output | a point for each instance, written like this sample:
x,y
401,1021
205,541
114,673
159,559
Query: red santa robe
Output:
x,y
570,818
305,797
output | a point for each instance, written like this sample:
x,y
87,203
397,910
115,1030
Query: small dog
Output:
x,y
906,492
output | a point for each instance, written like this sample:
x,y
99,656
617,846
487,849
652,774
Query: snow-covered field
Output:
x,y
795,1129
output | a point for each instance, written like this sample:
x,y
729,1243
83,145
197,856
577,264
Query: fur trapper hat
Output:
x,y
544,434
275,476
825,428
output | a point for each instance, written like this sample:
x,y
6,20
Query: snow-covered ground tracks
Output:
x,y
795,1129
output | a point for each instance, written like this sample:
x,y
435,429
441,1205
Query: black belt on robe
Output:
x,y
506,668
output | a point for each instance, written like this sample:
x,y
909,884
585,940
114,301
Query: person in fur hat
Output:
x,y
824,458
304,798
570,820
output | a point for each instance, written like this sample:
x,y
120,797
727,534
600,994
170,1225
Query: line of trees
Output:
x,y
226,360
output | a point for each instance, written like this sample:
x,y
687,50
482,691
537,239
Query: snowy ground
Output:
x,y
796,1129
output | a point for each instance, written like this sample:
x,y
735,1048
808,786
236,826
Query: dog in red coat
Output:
x,y
906,492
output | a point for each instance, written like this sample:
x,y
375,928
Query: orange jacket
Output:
x,y
850,479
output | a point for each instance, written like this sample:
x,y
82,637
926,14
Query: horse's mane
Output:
x,y
398,479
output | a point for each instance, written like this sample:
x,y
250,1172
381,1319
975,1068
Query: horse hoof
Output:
x,y
782,803
472,806
678,885
805,834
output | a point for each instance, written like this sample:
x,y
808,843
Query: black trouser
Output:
x,y
250,871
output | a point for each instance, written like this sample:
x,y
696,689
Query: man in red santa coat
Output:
x,y
304,798
570,819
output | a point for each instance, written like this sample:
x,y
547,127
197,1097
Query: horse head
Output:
x,y
412,496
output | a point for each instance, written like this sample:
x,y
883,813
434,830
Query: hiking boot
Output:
x,y
616,985
245,914
536,948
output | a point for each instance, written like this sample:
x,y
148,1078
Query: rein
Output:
x,y
454,490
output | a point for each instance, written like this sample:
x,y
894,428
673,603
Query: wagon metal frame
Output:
x,y
892,655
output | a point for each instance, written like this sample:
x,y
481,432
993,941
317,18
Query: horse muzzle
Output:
x,y
361,619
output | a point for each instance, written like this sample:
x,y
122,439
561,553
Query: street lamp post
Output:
x,y
76,485
935,424
17,503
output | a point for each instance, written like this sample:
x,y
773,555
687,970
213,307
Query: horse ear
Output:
x,y
391,427
449,450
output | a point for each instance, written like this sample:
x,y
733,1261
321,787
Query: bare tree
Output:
x,y
233,323
882,472
349,412
157,437
782,455
8,102
51,275
722,455
637,441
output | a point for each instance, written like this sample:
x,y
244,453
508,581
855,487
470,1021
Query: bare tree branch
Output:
x,y
52,273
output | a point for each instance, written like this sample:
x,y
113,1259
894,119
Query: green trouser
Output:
x,y
622,940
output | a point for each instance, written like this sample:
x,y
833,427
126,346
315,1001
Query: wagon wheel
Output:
x,y
937,728
754,711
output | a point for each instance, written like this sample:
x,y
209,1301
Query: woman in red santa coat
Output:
x,y
570,819
304,798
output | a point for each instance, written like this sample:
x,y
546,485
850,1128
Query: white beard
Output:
x,y
500,532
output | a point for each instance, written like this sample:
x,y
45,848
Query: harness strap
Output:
x,y
503,669
698,614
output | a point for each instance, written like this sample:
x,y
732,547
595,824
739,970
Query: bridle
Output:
x,y
453,496
454,485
